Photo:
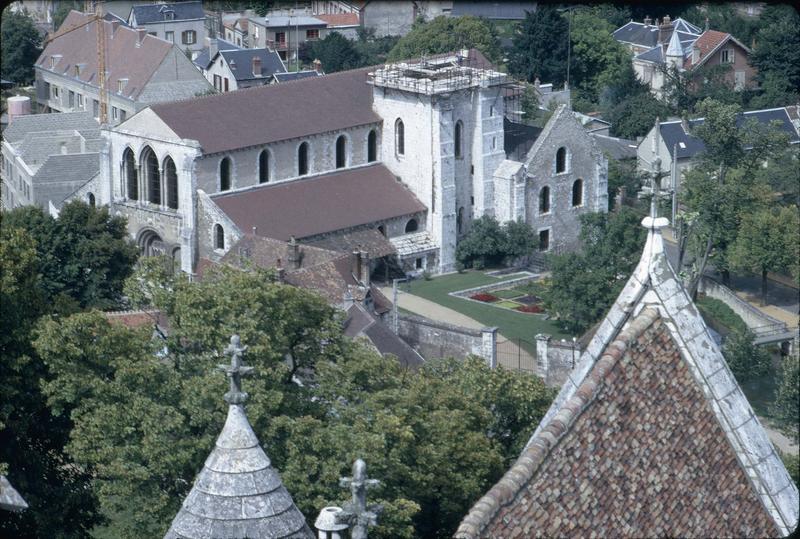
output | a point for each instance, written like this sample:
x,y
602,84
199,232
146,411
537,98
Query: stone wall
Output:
x,y
433,339
555,359
208,217
751,316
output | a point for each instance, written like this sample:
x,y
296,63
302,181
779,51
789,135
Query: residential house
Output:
x,y
212,46
650,436
48,157
497,11
140,70
285,33
673,143
182,23
296,75
721,49
640,37
288,160
231,70
385,17
236,31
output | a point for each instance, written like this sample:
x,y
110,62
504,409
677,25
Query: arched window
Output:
x,y
412,225
302,159
225,174
263,167
399,137
457,138
129,173
219,237
90,198
561,160
544,200
372,146
171,181
341,152
577,193
152,176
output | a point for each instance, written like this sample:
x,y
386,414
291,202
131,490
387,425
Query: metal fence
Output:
x,y
517,354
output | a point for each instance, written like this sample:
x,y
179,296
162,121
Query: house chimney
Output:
x,y
365,269
705,27
647,21
294,254
317,65
685,123
141,32
665,30
256,66
213,47
356,270
63,148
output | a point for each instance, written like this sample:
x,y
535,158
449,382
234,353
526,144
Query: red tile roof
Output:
x,y
255,116
137,319
331,202
124,60
340,19
637,451
706,43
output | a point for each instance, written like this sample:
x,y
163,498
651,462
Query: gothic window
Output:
x,y
577,193
544,200
341,149
561,160
399,137
171,181
225,174
219,237
372,146
152,176
457,138
302,159
412,225
90,198
129,173
263,167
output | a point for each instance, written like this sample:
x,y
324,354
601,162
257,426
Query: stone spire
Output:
x,y
675,51
238,494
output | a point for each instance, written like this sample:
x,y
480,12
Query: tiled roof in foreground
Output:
x,y
650,435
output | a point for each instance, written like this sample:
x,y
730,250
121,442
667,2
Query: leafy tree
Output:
x,y
584,285
775,91
20,46
746,360
374,50
447,34
336,52
782,174
31,438
540,46
490,243
724,17
623,173
635,116
767,241
786,408
63,9
84,255
777,46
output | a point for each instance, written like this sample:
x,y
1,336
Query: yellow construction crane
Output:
x,y
101,55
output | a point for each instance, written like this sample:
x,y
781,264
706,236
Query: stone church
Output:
x,y
410,153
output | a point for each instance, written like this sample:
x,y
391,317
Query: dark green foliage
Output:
x,y
447,34
636,115
719,311
777,46
20,46
623,173
63,9
336,53
786,408
374,50
488,243
724,17
584,285
540,47
84,255
745,360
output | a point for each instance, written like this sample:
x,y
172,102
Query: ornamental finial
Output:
x,y
235,371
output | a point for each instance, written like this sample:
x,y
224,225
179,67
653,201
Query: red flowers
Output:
x,y
529,309
487,298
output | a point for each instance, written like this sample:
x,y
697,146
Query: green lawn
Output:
x,y
512,325
508,293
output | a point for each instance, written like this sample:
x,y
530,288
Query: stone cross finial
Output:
x,y
656,185
356,514
235,371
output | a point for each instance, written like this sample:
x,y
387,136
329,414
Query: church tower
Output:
x,y
443,137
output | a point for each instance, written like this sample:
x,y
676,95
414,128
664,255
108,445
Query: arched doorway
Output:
x,y
151,243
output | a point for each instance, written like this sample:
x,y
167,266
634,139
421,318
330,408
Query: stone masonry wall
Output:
x,y
437,339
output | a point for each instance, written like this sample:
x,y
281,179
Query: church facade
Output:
x,y
418,150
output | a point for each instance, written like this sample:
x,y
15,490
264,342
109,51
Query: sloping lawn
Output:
x,y
512,324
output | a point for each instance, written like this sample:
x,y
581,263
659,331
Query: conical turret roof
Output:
x,y
238,494
674,48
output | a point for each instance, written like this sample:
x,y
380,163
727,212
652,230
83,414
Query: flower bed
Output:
x,y
486,298
527,300
529,309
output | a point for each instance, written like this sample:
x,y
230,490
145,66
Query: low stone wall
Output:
x,y
754,318
434,339
555,359
488,288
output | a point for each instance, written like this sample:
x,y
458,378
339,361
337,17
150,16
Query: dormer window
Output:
x,y
54,60
121,85
77,70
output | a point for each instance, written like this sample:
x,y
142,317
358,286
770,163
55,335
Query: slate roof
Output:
x,y
241,63
124,60
238,493
518,138
47,123
295,75
508,10
331,202
649,436
687,146
283,21
616,148
68,169
655,55
10,499
359,322
265,114
647,36
202,59
153,13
